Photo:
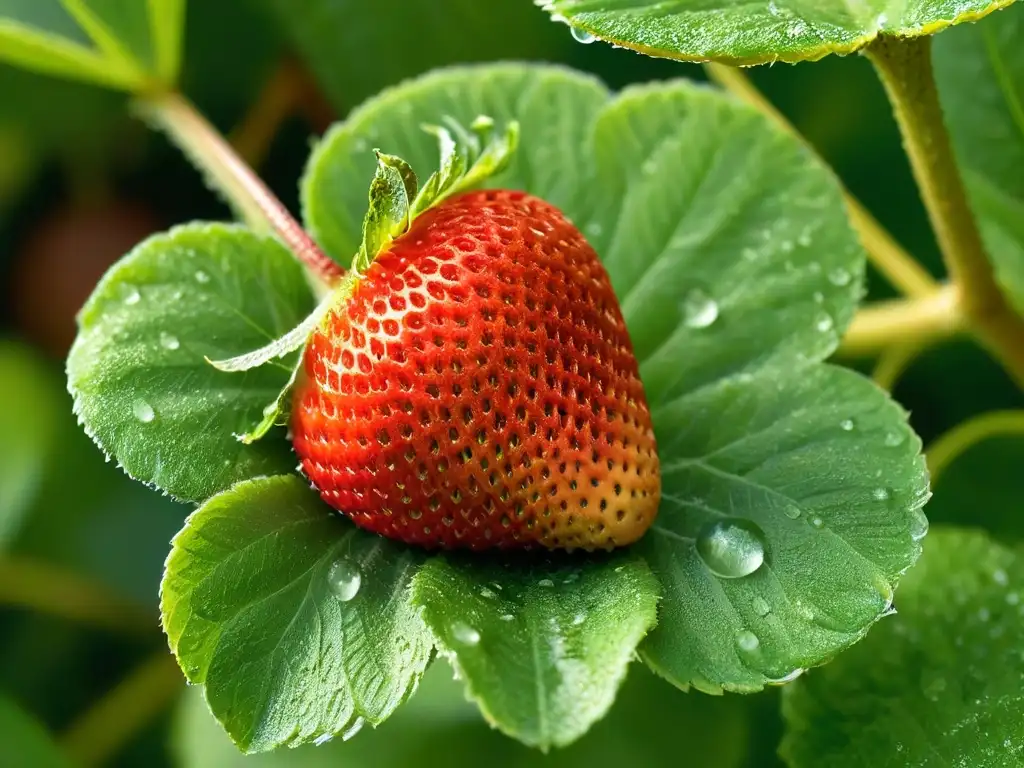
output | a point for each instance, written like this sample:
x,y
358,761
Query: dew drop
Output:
x,y
699,310
839,277
999,577
545,583
792,511
143,411
788,678
749,254
133,296
824,322
1012,598
464,634
507,617
880,494
344,579
578,619
817,522
918,525
322,739
894,438
747,641
487,593
581,35
352,730
761,606
731,548
846,425
933,687
202,277
167,341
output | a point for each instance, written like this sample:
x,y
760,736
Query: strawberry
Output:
x,y
476,387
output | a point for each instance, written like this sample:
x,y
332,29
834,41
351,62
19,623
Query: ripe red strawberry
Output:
x,y
478,389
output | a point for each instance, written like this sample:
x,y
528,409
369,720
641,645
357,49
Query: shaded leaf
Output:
x,y
28,432
939,683
735,32
979,70
644,727
542,648
25,741
139,373
298,623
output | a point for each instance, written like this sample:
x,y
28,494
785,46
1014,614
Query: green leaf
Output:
x,y
937,684
728,246
790,506
40,50
338,38
28,432
26,741
139,374
735,32
466,162
543,647
299,624
554,107
646,726
979,70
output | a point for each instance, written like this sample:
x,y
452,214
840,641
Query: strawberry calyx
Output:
x,y
468,157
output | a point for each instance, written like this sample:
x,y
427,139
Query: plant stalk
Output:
x,y
252,201
895,264
129,707
46,589
958,440
905,68
904,321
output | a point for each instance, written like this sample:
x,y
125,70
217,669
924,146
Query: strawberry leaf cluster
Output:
x,y
792,489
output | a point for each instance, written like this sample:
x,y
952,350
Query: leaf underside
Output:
x,y
739,33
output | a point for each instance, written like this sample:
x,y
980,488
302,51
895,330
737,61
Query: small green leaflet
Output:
x,y
468,158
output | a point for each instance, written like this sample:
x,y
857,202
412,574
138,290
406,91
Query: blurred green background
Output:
x,y
81,181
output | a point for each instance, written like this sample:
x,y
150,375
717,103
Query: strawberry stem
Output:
x,y
228,174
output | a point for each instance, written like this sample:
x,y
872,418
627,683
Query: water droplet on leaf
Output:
x,y
918,525
824,322
143,411
202,277
578,619
581,35
731,548
545,583
344,579
846,425
487,593
133,296
747,641
167,341
465,634
792,511
894,438
880,494
699,310
761,606
839,277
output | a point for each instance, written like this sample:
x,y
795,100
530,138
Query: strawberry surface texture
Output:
x,y
477,388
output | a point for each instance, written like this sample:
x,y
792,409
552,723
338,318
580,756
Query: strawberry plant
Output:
x,y
550,383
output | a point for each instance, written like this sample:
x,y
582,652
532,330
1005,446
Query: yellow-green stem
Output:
x,y
240,186
895,264
47,589
905,68
920,321
958,440
128,708
894,362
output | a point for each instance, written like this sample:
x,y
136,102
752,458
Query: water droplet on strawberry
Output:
x,y
344,579
731,548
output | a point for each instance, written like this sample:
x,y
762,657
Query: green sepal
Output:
x,y
467,159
